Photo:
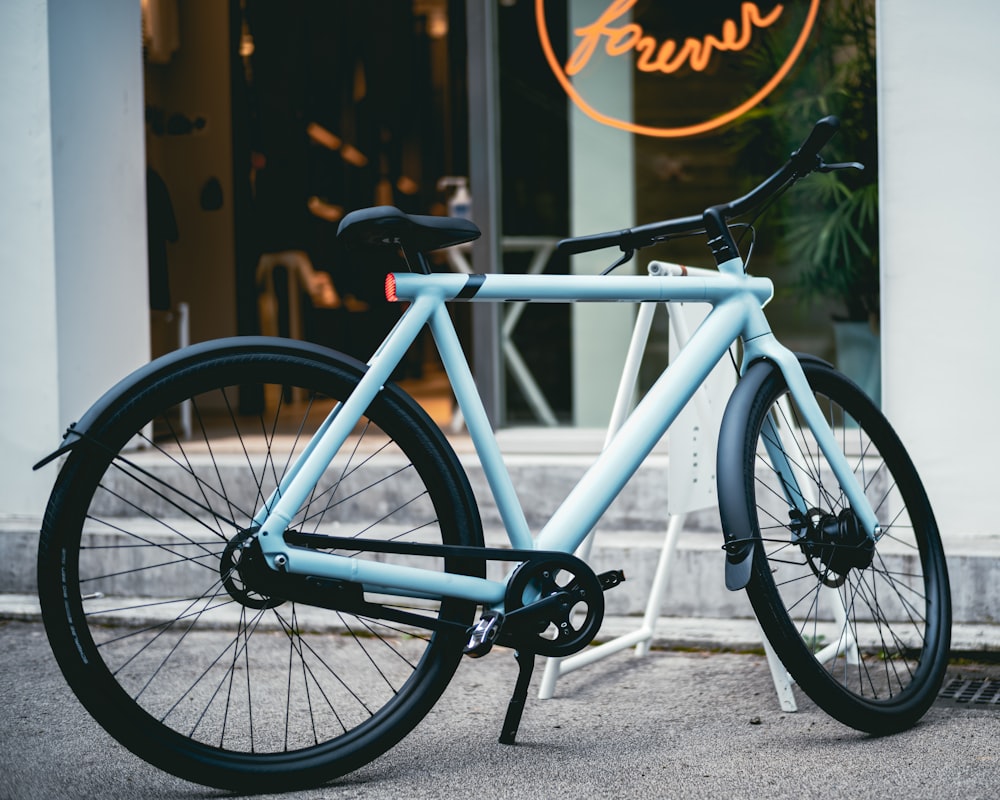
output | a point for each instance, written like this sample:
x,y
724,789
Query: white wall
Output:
x,y
939,109
74,307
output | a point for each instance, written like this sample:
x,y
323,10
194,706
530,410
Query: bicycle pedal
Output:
x,y
611,578
483,636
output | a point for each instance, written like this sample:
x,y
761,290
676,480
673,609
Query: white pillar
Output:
x,y
29,391
602,198
74,310
939,169
99,174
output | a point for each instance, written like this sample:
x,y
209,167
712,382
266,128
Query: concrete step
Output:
x,y
695,587
629,536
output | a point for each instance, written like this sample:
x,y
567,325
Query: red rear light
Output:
x,y
390,288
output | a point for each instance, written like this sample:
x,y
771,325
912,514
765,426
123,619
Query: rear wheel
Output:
x,y
863,627
152,621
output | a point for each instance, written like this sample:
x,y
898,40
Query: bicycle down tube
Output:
x,y
737,302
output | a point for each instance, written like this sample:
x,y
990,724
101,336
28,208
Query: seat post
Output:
x,y
416,260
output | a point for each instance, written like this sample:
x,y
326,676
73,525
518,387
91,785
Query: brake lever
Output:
x,y
843,165
627,253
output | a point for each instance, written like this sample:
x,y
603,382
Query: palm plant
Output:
x,y
833,234
830,222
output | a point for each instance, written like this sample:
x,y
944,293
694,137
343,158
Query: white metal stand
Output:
x,y
691,487
179,316
183,340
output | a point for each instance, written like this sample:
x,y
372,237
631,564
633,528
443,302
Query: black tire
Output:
x,y
148,618
894,597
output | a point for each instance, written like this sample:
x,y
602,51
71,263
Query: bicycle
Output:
x,y
252,621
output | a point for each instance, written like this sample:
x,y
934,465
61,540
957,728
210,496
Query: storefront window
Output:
x,y
612,113
702,101
353,103
535,215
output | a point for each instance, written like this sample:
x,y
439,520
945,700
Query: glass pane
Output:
x,y
721,92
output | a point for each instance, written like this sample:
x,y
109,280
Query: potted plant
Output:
x,y
830,222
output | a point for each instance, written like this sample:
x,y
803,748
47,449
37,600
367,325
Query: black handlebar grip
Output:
x,y
821,134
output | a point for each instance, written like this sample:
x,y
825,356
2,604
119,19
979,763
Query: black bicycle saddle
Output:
x,y
387,225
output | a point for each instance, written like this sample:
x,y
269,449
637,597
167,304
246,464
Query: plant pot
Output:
x,y
859,356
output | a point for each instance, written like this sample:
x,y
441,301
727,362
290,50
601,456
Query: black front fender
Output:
x,y
734,504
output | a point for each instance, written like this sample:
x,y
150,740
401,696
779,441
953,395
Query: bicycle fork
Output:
x,y
817,423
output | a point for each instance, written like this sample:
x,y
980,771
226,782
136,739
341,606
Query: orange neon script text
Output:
x,y
666,57
621,36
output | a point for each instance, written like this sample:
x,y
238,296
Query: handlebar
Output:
x,y
713,221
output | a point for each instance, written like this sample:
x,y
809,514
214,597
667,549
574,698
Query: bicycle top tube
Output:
x,y
712,288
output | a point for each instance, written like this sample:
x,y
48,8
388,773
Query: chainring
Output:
x,y
565,608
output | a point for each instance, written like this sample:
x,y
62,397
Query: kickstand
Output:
x,y
515,708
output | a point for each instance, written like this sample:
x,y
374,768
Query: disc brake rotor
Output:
x,y
229,569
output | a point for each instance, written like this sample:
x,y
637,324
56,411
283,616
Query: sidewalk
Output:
x,y
668,725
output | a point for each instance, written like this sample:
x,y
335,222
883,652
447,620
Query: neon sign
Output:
x,y
620,38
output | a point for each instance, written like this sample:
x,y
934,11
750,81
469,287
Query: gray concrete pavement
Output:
x,y
671,724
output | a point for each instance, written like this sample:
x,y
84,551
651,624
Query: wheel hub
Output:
x,y
838,542
235,566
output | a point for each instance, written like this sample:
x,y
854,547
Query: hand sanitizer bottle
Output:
x,y
460,201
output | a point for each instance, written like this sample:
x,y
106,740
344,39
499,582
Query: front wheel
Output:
x,y
863,627
159,631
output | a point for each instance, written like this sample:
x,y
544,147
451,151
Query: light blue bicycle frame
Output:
x,y
737,313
